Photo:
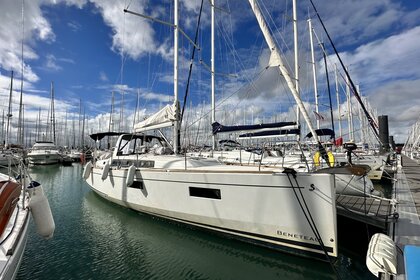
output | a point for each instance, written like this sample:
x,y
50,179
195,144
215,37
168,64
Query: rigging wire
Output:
x,y
371,121
307,213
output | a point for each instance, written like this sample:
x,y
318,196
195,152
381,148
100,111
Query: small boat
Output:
x,y
16,203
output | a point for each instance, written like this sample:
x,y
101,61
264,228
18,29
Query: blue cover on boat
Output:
x,y
412,262
218,128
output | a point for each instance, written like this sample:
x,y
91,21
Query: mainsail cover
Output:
x,y
271,133
165,117
218,128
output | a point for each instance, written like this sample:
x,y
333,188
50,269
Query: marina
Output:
x,y
209,140
147,247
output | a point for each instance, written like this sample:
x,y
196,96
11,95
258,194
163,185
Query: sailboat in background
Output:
x,y
263,205
9,152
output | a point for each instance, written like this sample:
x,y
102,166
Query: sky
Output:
x,y
91,50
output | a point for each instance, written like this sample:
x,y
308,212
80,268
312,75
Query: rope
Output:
x,y
309,217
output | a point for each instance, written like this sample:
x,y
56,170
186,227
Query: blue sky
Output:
x,y
91,48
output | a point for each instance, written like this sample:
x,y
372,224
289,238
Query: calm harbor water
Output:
x,y
95,239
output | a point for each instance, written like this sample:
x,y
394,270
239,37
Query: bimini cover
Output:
x,y
165,117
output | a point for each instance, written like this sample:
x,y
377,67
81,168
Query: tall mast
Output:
x,y
338,100
38,125
20,129
314,71
276,60
80,127
296,50
328,89
349,109
9,114
83,129
53,113
213,105
361,122
66,141
122,111
176,124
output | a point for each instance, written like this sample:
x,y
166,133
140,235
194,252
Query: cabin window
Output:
x,y
137,185
205,193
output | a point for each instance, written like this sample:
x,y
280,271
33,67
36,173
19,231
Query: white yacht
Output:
x,y
262,205
272,206
44,152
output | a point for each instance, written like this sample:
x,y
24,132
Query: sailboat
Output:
x,y
273,207
20,199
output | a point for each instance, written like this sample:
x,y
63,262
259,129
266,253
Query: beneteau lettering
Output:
x,y
295,235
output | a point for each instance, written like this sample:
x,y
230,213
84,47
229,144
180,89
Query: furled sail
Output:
x,y
218,128
270,133
165,117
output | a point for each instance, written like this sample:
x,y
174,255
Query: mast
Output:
x,y
176,124
213,105
349,109
314,71
276,60
65,131
38,125
137,107
122,111
328,89
53,113
296,50
20,128
83,128
9,114
361,122
111,122
338,100
80,115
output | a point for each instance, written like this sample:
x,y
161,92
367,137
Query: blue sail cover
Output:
x,y
218,128
271,133
322,132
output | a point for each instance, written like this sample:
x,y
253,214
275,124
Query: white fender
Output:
x,y
87,170
41,211
130,175
105,171
381,256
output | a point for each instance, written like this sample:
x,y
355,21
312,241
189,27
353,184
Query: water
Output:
x,y
95,239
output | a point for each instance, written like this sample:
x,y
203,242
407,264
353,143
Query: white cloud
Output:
x,y
103,77
51,63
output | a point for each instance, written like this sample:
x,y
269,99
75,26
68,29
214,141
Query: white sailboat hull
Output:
x,y
258,207
14,246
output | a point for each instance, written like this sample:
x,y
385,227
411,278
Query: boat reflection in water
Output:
x,y
154,248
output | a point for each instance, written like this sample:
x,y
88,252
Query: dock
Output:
x,y
405,230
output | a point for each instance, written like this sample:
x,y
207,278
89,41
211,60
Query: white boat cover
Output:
x,y
165,117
